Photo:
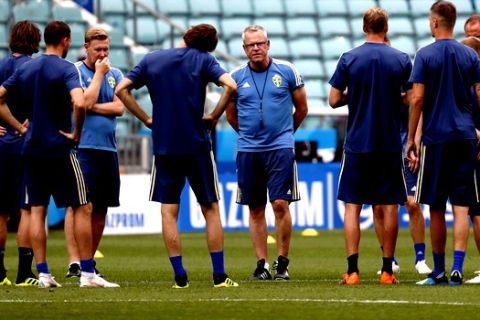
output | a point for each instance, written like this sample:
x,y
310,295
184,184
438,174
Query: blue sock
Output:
x,y
42,267
177,265
217,262
438,263
458,257
87,265
419,251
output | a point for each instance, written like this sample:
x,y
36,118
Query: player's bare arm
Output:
x,y
299,97
124,93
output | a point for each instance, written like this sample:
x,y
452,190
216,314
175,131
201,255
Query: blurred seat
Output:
x,y
152,4
300,8
400,26
330,67
395,7
212,20
146,103
356,25
233,27
119,58
147,33
268,8
116,38
330,8
301,26
358,7
236,8
113,12
309,68
405,44
5,11
3,36
279,48
205,7
273,25
334,26
420,8
305,47
235,48
459,31
423,42
464,7
333,48
37,11
68,14
173,7
77,33
422,27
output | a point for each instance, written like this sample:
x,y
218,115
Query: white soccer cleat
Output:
x,y
94,281
422,268
475,280
45,280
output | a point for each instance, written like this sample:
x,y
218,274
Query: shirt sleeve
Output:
x,y
11,83
339,77
73,78
295,78
137,74
213,69
406,83
418,75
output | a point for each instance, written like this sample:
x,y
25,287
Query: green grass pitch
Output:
x,y
140,265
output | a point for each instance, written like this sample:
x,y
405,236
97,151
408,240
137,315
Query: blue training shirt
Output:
x,y
11,142
44,86
265,106
99,130
176,80
448,69
375,75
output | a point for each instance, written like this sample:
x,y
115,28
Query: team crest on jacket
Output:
x,y
277,80
111,82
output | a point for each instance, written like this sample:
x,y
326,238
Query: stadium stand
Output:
x,y
310,33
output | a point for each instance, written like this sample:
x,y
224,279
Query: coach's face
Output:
x,y
256,47
97,50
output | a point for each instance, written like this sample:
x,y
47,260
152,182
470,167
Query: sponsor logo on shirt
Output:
x,y
277,80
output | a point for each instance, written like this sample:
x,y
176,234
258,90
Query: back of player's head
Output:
x,y
55,32
472,42
25,38
202,37
95,33
445,12
375,20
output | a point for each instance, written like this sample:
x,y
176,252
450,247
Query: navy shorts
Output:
x,y
60,177
102,176
275,171
170,171
475,208
11,182
372,178
447,172
410,178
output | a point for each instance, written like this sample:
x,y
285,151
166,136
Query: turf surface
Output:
x,y
140,265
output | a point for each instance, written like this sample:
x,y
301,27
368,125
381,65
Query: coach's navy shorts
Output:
x,y
102,176
372,178
60,177
275,171
11,178
410,178
169,173
447,172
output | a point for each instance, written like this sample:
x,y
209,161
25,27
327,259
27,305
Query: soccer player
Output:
x,y
442,76
50,87
176,80
24,41
97,150
375,74
474,211
261,113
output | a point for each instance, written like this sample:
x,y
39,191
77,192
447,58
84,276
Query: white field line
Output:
x,y
292,300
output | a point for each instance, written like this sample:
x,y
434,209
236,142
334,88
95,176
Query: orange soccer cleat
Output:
x,y
350,279
387,278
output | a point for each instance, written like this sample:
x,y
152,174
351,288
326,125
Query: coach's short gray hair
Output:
x,y
254,28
